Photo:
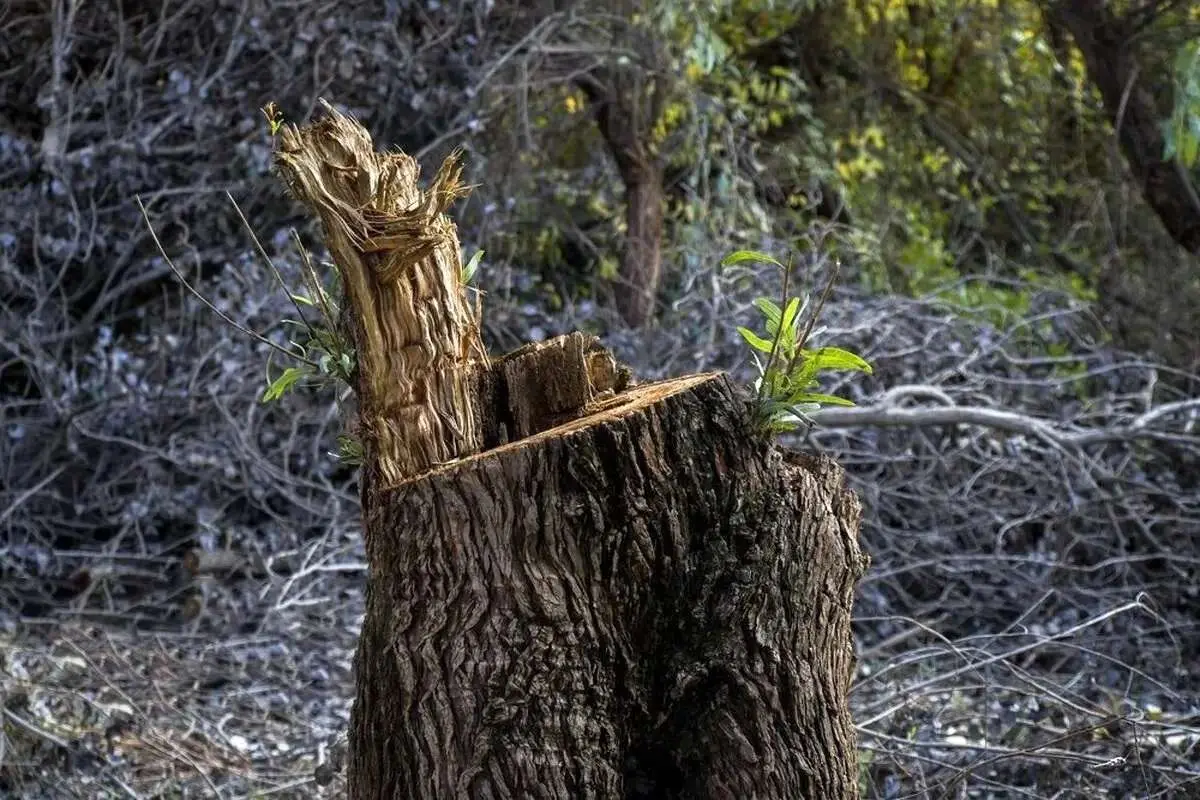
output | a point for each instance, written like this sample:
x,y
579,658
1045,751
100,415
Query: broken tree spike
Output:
x,y
416,336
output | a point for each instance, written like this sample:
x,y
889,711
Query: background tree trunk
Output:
x,y
598,591
627,109
1153,308
1157,307
1107,44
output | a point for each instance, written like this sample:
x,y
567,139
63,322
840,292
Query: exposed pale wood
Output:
x,y
416,336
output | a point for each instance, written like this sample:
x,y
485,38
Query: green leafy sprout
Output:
x,y
274,117
785,389
322,350
323,354
468,270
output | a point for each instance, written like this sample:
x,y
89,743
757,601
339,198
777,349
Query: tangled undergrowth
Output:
x,y
189,570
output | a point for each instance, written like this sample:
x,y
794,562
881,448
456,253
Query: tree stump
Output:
x,y
578,587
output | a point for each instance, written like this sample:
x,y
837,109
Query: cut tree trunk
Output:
x,y
604,590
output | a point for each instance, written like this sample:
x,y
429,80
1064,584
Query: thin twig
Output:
x,y
224,317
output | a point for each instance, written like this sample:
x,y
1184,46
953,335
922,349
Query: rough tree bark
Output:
x,y
598,590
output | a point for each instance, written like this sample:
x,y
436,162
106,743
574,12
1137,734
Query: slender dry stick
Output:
x,y
1137,603
30,492
271,264
812,319
314,281
787,273
229,320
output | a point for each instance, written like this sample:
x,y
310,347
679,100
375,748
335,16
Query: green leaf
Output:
x,y
304,299
837,358
772,384
754,340
742,256
803,377
350,450
468,270
772,313
284,382
824,399
321,337
789,319
782,426
773,408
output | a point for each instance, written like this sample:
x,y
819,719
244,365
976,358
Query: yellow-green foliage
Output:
x,y
963,137
1183,129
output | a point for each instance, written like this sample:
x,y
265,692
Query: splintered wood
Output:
x,y
416,336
